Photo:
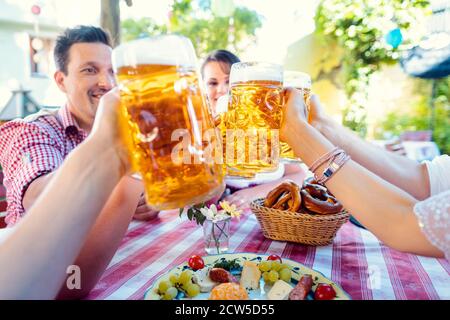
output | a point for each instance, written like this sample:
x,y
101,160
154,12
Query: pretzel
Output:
x,y
284,197
317,199
282,202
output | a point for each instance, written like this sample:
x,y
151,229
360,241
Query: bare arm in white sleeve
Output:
x,y
434,220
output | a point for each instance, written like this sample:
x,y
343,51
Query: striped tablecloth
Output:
x,y
365,268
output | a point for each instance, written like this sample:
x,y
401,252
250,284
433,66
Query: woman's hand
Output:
x,y
296,112
242,198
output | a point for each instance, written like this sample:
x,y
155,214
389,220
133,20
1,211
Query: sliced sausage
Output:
x,y
302,288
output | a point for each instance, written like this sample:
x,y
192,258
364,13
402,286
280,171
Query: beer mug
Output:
x,y
165,122
253,119
301,81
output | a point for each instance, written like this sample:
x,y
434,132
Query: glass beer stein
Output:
x,y
253,119
301,81
165,122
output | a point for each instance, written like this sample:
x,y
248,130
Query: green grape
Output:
x,y
173,278
185,277
284,266
192,289
265,276
276,265
265,266
285,275
273,276
170,294
163,286
166,296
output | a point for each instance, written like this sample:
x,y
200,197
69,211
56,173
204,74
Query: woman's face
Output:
x,y
216,76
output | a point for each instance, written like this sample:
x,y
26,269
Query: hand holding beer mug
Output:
x,y
253,119
300,81
165,122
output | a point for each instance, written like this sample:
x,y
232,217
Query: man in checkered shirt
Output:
x,y
32,149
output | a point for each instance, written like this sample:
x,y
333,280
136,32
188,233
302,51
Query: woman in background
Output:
x,y
216,74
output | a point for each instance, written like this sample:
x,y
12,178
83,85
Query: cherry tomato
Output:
x,y
196,262
274,257
324,292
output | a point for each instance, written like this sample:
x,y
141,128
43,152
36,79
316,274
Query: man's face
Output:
x,y
89,76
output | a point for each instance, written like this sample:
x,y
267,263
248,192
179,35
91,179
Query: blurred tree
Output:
x,y
208,29
110,18
420,116
371,32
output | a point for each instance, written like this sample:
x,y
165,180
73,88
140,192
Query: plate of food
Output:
x,y
243,276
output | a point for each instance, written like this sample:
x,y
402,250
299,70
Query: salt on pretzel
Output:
x,y
317,199
286,196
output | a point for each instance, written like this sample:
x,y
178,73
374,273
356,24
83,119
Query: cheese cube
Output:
x,y
201,278
279,291
250,276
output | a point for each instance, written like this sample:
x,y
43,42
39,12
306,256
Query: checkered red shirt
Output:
x,y
32,147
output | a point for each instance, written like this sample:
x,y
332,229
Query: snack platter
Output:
x,y
254,288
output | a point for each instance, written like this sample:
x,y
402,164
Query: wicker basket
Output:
x,y
306,228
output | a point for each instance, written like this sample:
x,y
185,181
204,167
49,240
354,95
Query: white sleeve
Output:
x,y
439,174
434,220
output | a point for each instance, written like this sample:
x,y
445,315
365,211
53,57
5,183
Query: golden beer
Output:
x,y
252,122
158,101
300,81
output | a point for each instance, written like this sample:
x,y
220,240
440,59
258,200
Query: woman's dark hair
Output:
x,y
223,56
79,34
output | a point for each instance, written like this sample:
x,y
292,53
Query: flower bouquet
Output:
x,y
216,223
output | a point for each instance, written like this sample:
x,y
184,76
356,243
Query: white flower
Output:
x,y
213,214
208,213
221,215
213,209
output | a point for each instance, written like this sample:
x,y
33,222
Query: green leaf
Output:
x,y
201,219
190,214
200,205
228,264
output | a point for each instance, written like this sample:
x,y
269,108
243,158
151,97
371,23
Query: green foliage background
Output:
x,y
206,30
359,27
420,117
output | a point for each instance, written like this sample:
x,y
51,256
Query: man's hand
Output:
x,y
242,198
144,212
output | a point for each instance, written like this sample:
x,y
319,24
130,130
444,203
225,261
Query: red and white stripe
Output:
x,y
152,248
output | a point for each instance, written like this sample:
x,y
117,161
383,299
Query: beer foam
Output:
x,y
248,71
161,50
297,79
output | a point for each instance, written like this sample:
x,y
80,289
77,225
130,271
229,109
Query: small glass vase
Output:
x,y
216,234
